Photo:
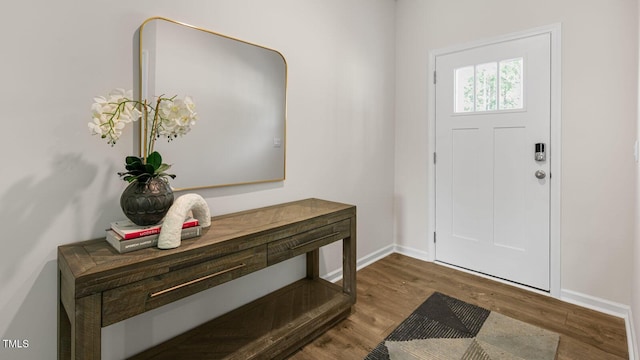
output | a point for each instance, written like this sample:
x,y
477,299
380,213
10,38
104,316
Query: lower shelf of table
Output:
x,y
271,327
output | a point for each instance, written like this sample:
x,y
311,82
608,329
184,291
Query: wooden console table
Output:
x,y
100,287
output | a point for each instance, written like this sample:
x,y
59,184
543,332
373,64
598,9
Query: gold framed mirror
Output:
x,y
240,91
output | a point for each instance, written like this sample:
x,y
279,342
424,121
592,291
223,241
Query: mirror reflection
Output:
x,y
239,89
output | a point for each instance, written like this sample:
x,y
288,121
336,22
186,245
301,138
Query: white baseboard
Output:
x,y
576,298
336,275
607,307
594,303
414,253
631,337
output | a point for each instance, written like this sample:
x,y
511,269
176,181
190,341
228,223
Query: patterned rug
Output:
x,y
447,328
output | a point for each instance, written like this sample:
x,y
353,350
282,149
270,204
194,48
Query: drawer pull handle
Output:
x,y
157,293
314,240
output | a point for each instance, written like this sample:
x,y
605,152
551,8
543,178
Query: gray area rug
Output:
x,y
446,328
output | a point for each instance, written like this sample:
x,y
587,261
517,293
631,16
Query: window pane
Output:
x,y
487,87
464,89
511,84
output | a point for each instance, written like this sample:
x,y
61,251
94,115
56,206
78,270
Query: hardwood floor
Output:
x,y
390,289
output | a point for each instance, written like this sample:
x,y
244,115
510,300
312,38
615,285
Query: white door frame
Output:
x,y
554,152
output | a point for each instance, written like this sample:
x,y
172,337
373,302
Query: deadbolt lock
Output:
x,y
540,154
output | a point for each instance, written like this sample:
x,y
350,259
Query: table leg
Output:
x,y
349,262
64,334
85,328
313,264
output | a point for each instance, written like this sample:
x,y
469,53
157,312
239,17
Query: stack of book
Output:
x,y
126,236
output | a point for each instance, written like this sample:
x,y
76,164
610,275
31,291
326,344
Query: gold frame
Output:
x,y
143,127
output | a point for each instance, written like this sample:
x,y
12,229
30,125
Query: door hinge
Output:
x,y
434,237
434,76
435,157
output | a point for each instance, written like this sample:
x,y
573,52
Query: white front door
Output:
x,y
492,194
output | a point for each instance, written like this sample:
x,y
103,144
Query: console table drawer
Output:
x,y
301,243
129,300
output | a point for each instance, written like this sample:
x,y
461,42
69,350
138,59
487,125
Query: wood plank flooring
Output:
x,y
390,289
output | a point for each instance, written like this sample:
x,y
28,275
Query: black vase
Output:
x,y
147,203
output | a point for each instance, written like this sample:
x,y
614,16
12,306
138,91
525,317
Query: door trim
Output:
x,y
554,152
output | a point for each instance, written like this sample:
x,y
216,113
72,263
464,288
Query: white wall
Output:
x,y
59,185
635,280
599,79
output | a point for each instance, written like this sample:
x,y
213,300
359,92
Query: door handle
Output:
x,y
541,174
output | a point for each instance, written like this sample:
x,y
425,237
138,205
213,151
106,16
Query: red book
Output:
x,y
128,230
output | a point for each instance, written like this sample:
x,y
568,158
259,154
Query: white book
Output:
x,y
126,245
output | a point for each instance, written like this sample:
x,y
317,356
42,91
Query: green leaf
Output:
x,y
154,159
162,168
131,160
149,169
138,170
